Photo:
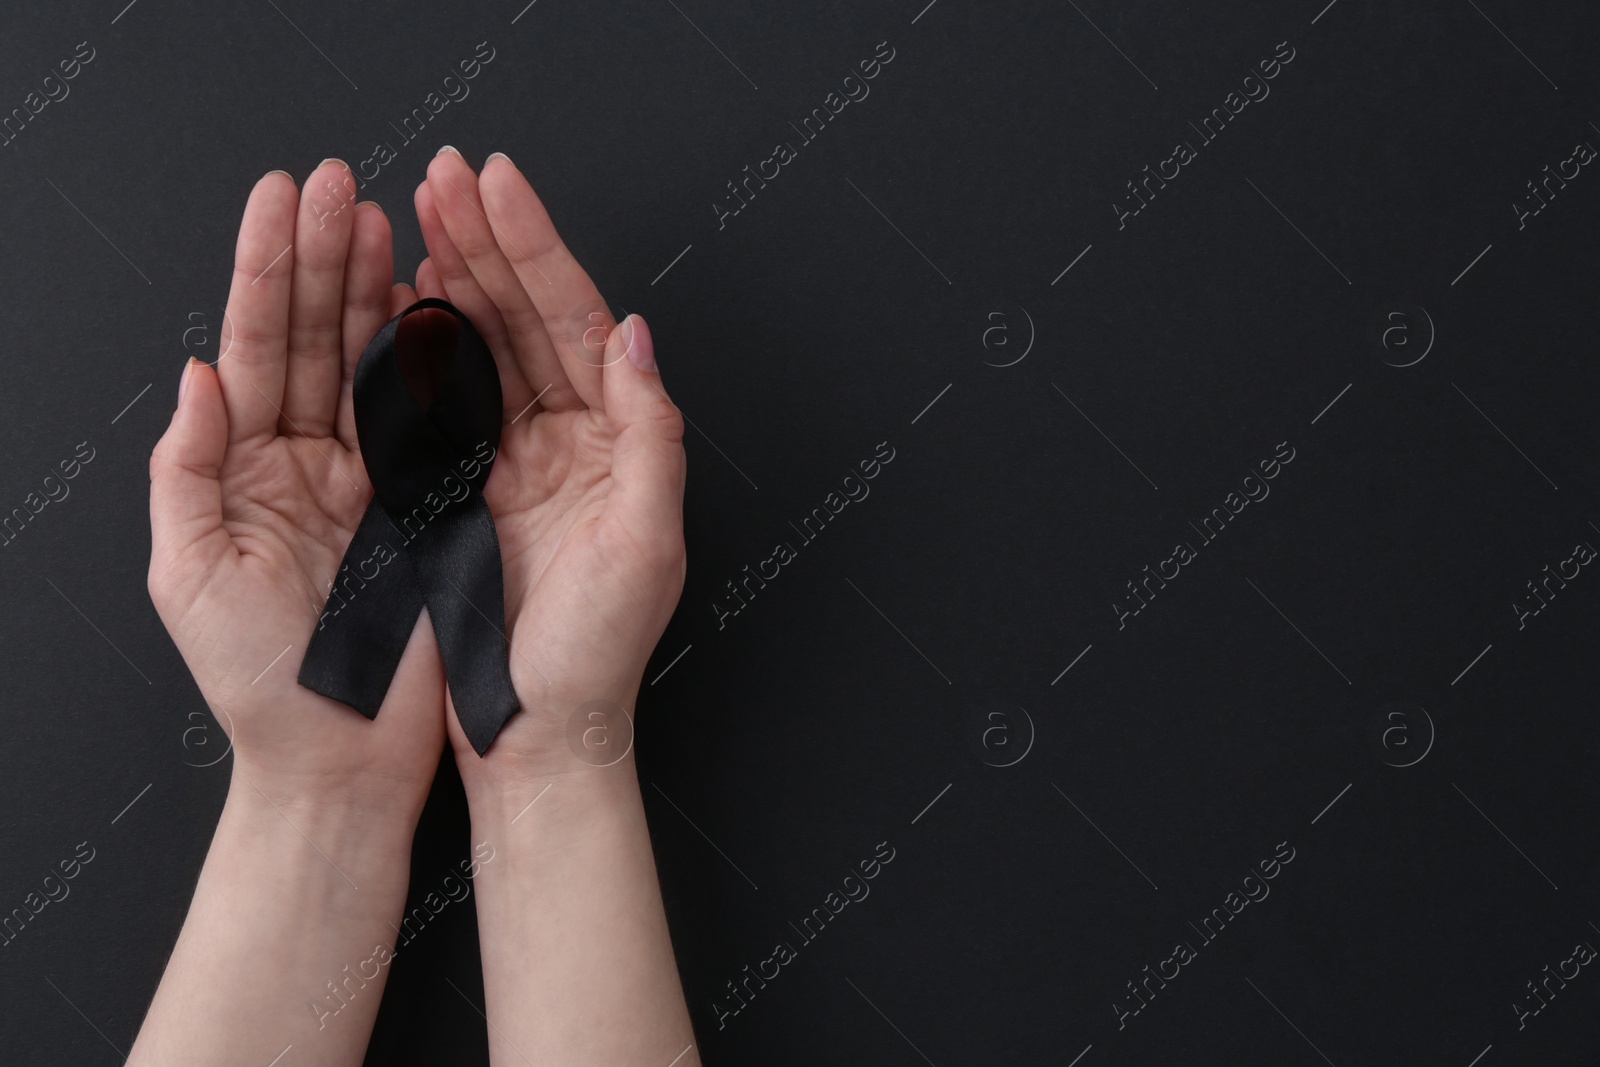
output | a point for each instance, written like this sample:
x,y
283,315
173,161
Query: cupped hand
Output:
x,y
587,492
256,489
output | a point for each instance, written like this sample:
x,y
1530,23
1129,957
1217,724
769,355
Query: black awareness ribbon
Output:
x,y
426,540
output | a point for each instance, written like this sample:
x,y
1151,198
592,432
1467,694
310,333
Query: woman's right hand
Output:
x,y
256,489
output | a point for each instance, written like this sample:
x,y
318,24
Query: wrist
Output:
x,y
565,757
556,738
529,791
353,817
541,823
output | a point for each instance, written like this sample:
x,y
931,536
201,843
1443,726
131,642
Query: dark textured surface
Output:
x,y
1359,617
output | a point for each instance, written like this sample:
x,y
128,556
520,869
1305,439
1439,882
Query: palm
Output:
x,y
546,496
563,547
290,508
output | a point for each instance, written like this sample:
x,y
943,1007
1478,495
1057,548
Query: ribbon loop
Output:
x,y
427,539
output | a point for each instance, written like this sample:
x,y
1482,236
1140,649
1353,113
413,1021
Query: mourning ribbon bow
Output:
x,y
426,540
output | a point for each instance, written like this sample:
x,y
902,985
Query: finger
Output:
x,y
187,537
429,287
256,345
648,464
316,301
576,319
454,190
369,272
401,297
465,293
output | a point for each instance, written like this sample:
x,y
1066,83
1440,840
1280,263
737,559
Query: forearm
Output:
x,y
577,962
282,942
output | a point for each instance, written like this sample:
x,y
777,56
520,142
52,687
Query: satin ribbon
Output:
x,y
426,540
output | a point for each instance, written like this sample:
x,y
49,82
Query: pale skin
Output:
x,y
256,489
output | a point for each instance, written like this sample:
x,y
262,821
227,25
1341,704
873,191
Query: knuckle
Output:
x,y
588,315
316,337
475,243
256,271
667,422
250,338
518,311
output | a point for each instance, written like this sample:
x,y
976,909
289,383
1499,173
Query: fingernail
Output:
x,y
285,173
636,342
330,159
497,155
447,148
371,203
183,382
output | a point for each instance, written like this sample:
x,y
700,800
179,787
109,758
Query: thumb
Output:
x,y
186,532
648,465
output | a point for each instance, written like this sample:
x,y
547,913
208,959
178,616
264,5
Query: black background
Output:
x,y
918,244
